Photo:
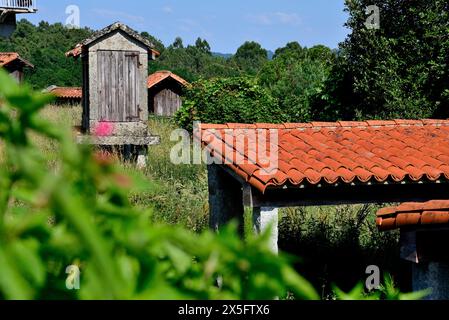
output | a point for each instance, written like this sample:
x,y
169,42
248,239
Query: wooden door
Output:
x,y
167,103
118,86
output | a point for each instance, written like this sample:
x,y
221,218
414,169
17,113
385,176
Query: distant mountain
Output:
x,y
229,55
222,55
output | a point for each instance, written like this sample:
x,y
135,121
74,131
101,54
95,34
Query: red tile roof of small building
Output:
x,y
8,57
414,214
317,153
78,49
67,92
159,76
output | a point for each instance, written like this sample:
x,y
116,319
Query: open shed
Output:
x,y
66,95
115,68
165,90
266,167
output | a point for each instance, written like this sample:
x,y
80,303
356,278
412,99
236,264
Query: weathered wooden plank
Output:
x,y
121,88
166,103
119,79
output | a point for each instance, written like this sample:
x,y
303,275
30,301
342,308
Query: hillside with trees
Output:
x,y
397,71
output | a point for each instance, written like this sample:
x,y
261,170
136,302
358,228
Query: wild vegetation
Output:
x,y
64,206
397,71
77,210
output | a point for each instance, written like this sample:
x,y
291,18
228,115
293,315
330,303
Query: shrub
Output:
x,y
234,100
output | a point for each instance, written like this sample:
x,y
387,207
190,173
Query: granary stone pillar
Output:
x,y
225,199
264,218
426,251
142,157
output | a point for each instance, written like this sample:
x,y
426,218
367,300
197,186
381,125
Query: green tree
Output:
x,y
295,76
203,46
292,48
250,57
159,46
397,71
45,46
193,62
178,43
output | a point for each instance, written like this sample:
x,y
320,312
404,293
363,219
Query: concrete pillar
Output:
x,y
225,199
433,276
263,218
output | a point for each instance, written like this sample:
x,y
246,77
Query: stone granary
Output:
x,y
115,95
265,167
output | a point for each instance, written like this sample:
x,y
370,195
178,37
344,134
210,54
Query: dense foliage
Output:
x,y
222,100
295,76
45,46
281,90
397,71
193,62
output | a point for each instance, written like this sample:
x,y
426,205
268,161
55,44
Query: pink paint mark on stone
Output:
x,y
104,129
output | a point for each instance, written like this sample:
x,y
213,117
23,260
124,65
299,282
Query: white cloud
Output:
x,y
167,9
288,18
269,19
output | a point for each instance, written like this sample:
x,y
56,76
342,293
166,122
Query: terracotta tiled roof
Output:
x,y
77,51
344,152
67,93
434,212
8,57
157,77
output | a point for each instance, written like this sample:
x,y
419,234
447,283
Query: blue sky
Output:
x,y
225,24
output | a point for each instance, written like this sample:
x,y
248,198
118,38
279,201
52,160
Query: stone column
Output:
x,y
225,199
264,218
142,157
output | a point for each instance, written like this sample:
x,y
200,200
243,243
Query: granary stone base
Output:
x,y
121,129
119,140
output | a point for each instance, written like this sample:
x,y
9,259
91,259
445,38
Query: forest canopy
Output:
x,y
399,70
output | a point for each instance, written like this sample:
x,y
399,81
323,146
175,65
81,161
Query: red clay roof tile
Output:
x,y
8,57
67,92
159,76
328,153
413,214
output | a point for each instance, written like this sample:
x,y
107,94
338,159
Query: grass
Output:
x,y
182,193
336,243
